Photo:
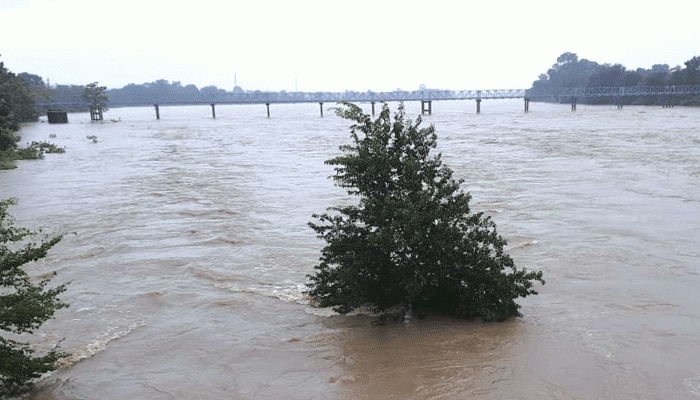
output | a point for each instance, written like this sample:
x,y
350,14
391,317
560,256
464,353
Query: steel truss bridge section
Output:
x,y
259,97
615,91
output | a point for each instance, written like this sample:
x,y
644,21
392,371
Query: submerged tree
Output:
x,y
411,240
24,305
96,99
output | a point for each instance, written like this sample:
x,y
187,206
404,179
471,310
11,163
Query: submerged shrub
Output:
x,y
411,240
35,151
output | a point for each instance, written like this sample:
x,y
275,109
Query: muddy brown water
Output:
x,y
186,248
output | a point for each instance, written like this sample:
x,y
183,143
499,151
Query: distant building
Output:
x,y
57,117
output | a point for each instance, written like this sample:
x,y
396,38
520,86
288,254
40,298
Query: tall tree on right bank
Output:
x,y
411,240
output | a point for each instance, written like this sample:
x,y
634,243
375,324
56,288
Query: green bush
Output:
x,y
7,159
24,304
35,151
411,240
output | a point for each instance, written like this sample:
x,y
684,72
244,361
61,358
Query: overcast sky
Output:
x,y
307,45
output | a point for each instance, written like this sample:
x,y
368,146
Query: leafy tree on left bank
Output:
x,y
25,304
16,106
16,100
17,95
11,93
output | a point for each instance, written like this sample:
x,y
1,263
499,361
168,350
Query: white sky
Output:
x,y
310,45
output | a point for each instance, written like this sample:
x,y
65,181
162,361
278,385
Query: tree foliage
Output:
x,y
571,72
163,91
16,100
95,96
16,106
411,240
17,94
24,304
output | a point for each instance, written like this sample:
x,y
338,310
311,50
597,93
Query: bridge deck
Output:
x,y
258,97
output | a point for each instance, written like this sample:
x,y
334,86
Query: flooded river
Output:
x,y
187,248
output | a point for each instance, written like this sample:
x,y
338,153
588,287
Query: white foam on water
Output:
x,y
290,293
521,245
321,311
100,342
693,385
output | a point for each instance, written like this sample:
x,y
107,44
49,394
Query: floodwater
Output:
x,y
187,248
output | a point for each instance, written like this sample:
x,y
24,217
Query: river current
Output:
x,y
187,248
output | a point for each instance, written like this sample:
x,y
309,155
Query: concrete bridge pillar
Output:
x,y
621,98
426,107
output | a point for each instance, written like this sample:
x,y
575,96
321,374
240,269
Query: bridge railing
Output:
x,y
612,91
258,97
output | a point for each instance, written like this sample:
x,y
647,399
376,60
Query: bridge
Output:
x,y
418,95
424,96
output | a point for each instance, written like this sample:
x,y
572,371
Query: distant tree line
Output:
x,y
568,72
163,91
571,72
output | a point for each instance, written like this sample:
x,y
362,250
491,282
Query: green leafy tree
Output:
x,y
95,96
16,99
17,93
13,110
24,305
411,241
40,91
692,71
8,137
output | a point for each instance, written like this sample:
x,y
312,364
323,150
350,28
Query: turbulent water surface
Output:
x,y
187,248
